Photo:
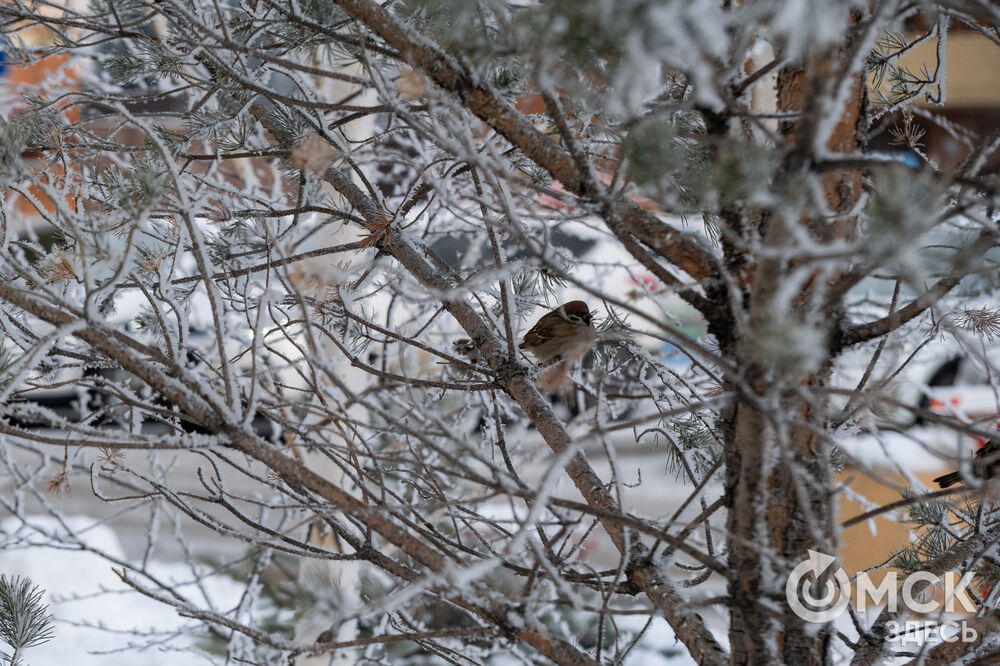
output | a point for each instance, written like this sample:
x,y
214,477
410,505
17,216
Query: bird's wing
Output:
x,y
538,334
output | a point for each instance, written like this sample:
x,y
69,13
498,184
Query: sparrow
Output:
x,y
985,464
565,333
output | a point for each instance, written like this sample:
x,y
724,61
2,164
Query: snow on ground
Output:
x,y
85,595
94,611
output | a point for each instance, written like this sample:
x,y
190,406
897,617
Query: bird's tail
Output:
x,y
948,480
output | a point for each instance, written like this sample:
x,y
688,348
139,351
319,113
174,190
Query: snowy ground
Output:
x,y
102,622
97,615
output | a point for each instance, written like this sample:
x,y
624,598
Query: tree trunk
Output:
x,y
778,480
778,468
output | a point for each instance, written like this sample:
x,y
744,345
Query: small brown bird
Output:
x,y
565,333
985,465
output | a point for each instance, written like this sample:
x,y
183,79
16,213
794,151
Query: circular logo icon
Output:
x,y
808,603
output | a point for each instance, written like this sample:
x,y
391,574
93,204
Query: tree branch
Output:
x,y
679,248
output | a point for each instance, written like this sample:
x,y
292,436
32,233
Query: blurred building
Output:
x,y
954,115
